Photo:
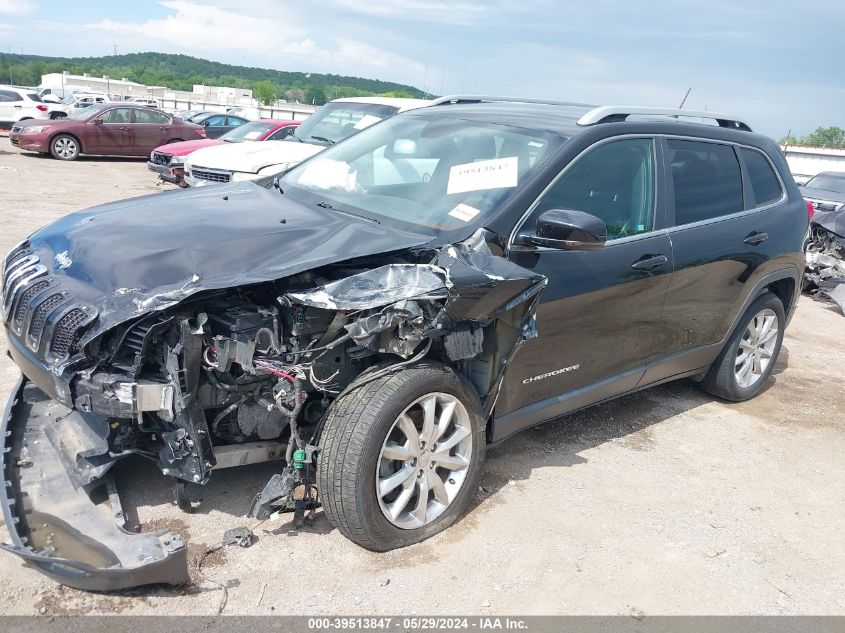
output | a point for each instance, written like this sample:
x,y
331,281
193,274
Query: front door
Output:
x,y
598,317
111,135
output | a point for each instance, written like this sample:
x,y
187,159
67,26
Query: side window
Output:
x,y
117,115
764,183
707,179
8,95
235,121
614,182
215,120
282,133
151,117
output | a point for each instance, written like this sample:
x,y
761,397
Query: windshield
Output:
x,y
427,169
82,114
251,131
828,183
338,120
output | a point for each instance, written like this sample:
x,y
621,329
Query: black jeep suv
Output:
x,y
381,313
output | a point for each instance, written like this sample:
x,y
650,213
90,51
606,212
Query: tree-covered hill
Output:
x,y
181,72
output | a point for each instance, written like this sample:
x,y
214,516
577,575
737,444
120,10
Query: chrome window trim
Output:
x,y
654,138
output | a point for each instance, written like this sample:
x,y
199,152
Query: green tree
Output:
x,y
399,94
295,94
790,139
315,95
264,91
826,137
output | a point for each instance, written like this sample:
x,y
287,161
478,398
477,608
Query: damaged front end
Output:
x,y
214,377
825,255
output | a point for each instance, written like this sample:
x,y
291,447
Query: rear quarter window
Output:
x,y
764,183
707,180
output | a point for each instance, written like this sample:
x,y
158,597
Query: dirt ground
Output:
x,y
664,502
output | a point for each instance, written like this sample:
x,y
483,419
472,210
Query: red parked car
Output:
x,y
168,161
106,129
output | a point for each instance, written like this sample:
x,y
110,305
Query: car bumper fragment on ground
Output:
x,y
64,517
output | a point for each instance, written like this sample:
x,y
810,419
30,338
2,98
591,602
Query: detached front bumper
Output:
x,y
166,173
63,511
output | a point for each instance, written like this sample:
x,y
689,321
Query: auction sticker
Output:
x,y
498,173
464,212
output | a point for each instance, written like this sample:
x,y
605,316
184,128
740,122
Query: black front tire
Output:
x,y
351,443
721,379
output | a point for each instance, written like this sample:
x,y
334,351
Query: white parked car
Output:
x,y
147,101
331,123
19,104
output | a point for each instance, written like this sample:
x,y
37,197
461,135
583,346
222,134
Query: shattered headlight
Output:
x,y
176,161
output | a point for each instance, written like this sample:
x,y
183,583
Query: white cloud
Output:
x,y
17,7
280,40
439,11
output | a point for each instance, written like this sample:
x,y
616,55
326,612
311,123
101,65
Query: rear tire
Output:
x,y
65,147
378,456
742,368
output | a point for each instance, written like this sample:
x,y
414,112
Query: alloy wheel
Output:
x,y
65,147
424,460
756,348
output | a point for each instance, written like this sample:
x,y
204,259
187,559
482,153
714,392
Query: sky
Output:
x,y
780,64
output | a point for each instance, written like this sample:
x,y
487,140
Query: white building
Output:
x,y
223,94
59,82
805,162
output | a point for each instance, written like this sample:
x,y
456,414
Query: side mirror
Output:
x,y
97,121
570,230
206,123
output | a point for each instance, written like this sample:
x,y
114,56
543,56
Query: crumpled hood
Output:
x,y
251,157
822,195
133,257
183,148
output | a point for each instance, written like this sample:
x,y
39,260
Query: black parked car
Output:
x,y
216,124
382,313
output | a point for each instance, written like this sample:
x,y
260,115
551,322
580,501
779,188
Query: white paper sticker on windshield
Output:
x,y
484,174
366,121
251,136
464,212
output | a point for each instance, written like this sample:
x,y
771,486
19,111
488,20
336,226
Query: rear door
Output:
x,y
718,241
599,315
149,130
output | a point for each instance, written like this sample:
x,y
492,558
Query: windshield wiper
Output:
x,y
328,205
324,139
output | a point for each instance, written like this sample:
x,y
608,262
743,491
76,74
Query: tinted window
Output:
x,y
117,115
215,120
829,182
764,183
7,95
151,116
282,133
708,181
33,97
614,182
235,121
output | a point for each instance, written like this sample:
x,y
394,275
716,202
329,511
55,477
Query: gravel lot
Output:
x,y
664,502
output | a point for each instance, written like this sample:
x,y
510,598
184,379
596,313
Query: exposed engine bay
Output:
x,y
235,376
825,256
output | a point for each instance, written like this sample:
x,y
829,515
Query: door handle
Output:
x,y
649,262
124,128
755,238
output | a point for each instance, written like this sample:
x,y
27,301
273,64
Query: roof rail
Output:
x,y
452,99
613,114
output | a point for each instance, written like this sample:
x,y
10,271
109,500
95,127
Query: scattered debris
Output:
x,y
825,256
714,552
637,614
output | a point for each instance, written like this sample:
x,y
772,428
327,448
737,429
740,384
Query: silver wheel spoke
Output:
x,y
406,425
397,451
421,510
444,420
437,487
457,436
452,462
395,508
428,406
398,478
